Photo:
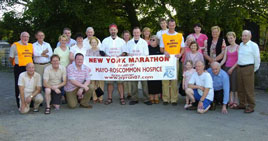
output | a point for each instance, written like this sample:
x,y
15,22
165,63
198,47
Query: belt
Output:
x,y
41,63
242,66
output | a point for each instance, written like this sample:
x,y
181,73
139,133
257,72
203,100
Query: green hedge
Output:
x,y
264,56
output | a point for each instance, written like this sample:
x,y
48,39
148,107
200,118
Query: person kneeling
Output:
x,y
78,85
200,88
30,88
54,80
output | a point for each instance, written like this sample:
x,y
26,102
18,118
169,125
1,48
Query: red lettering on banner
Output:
x,y
95,60
152,69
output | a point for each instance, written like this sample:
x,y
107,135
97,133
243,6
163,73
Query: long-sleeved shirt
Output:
x,y
38,50
221,82
249,53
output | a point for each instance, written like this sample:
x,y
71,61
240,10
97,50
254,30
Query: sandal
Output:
x,y
109,101
122,101
234,106
47,111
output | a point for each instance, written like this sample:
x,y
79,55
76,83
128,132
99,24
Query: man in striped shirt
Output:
x,y
78,86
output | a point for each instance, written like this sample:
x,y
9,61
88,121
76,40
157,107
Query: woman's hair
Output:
x,y
79,35
63,36
189,61
126,31
197,25
155,37
194,42
216,27
231,33
145,29
92,38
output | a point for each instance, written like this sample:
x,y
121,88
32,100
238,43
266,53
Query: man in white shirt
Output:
x,y
248,63
200,88
70,42
42,53
138,47
112,46
90,33
164,29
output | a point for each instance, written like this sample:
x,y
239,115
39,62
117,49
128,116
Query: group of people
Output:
x,y
62,75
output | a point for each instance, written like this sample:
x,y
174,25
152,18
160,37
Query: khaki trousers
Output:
x,y
72,97
245,86
170,89
38,99
40,69
97,84
127,87
135,90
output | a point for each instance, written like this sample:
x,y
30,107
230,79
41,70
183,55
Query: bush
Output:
x,y
264,56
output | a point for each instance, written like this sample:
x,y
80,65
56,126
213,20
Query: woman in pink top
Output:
x,y
230,59
200,38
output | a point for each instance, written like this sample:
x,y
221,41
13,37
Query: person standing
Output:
x,y
171,43
42,53
63,51
164,29
78,48
138,47
20,55
248,63
112,46
200,38
126,35
90,33
68,33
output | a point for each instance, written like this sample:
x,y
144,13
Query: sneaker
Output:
x,y
133,102
187,106
148,103
35,110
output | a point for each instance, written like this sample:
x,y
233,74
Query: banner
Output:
x,y
153,67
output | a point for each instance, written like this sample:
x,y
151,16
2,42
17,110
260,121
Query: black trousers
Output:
x,y
17,71
218,97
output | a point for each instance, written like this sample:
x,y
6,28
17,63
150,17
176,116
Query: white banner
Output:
x,y
153,67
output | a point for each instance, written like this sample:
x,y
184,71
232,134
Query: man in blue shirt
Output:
x,y
221,86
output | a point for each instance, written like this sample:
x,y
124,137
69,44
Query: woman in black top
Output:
x,y
154,86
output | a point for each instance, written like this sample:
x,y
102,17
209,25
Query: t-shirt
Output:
x,y
137,49
54,77
64,56
162,43
75,49
160,32
203,80
112,47
187,75
71,43
28,83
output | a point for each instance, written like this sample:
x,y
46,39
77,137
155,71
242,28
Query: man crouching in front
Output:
x,y
30,86
78,86
200,88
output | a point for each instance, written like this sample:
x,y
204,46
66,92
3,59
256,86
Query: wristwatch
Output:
x,y
201,100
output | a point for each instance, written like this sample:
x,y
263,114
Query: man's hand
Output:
x,y
167,54
230,71
54,88
57,91
224,110
28,99
80,93
86,88
201,88
200,105
44,53
22,107
178,55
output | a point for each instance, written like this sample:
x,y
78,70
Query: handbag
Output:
x,y
99,92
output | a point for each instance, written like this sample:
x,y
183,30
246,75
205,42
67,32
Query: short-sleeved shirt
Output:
x,y
187,75
200,39
205,81
137,49
74,74
64,56
112,47
28,83
162,42
87,44
13,53
75,49
160,33
54,77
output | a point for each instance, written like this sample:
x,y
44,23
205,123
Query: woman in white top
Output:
x,y
78,48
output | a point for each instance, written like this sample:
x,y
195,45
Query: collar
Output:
x,y
82,67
